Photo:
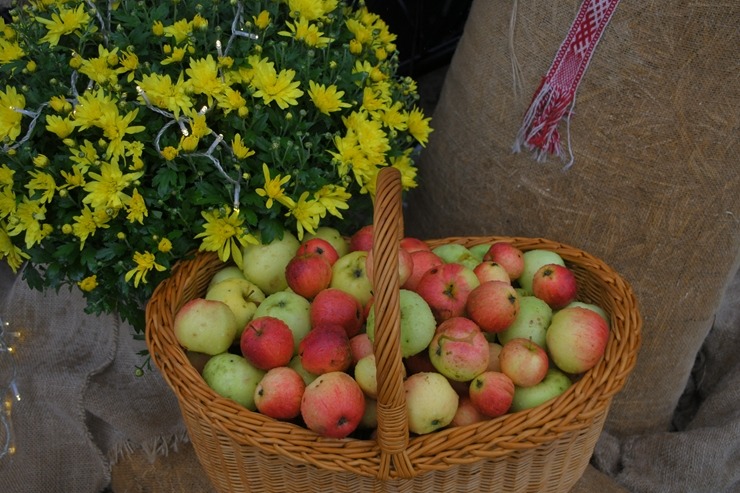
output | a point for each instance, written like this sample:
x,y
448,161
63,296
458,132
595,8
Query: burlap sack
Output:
x,y
655,186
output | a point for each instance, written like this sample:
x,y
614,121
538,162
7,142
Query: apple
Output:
x,y
307,376
233,377
308,274
467,413
488,270
493,305
362,239
494,350
325,349
333,236
576,339
412,244
431,402
369,419
459,350
524,362
479,251
264,264
318,246
417,324
405,265
205,326
338,307
533,260
360,346
227,272
421,261
531,322
291,308
454,253
333,405
445,288
267,342
591,306
491,393
350,275
555,284
241,296
555,383
279,393
508,256
365,375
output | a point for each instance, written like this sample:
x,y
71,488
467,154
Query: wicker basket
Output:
x,y
544,449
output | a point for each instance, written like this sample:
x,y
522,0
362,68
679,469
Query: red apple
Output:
x,y
493,305
488,270
325,349
362,239
576,339
524,362
445,288
335,306
267,342
405,265
318,246
422,261
491,393
411,244
494,350
508,256
459,350
555,284
360,346
308,274
467,413
279,393
333,405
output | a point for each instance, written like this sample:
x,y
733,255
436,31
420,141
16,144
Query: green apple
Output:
x,y
307,376
264,264
479,251
455,253
418,324
228,272
233,377
533,260
205,326
241,296
530,323
349,273
333,236
291,308
555,383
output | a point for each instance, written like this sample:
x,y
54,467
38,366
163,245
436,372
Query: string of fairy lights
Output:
x,y
8,389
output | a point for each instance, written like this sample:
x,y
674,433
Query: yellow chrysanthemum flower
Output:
x,y
332,198
86,224
10,51
164,245
12,254
136,208
7,202
65,22
44,183
274,190
145,262
307,213
262,20
89,283
327,99
271,86
311,9
225,234
6,176
106,189
180,30
161,92
241,151
418,126
60,126
10,119
303,30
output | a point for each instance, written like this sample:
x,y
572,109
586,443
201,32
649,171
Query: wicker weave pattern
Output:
x,y
545,449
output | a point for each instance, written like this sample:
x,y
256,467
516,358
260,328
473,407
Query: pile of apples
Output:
x,y
485,331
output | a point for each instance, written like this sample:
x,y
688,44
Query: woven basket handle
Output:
x,y
392,432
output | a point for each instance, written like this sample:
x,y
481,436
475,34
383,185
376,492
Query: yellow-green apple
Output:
x,y
480,250
431,402
493,305
467,413
491,393
533,260
267,342
524,362
333,236
487,270
445,288
307,376
350,275
360,346
338,307
333,405
264,263
531,322
369,419
279,393
459,350
242,296
227,272
421,261
319,246
576,339
555,383
417,323
591,306
405,265
205,326
365,375
233,377
508,256
454,253
291,308
362,239
412,244
555,284
325,349
308,274
494,349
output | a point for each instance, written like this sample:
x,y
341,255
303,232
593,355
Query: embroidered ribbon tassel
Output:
x,y
554,99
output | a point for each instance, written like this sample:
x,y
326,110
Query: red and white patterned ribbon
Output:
x,y
555,97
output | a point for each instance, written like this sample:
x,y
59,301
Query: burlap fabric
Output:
x,y
654,191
